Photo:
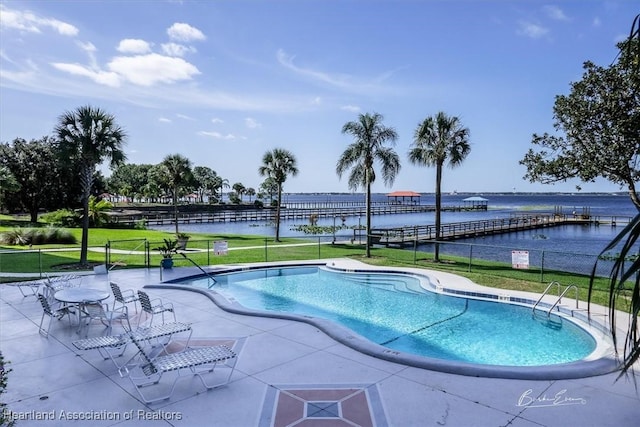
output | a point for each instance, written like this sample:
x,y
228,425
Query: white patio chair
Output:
x,y
154,306
124,297
50,310
91,310
196,361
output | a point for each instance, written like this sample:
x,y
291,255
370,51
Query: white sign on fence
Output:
x,y
220,247
520,259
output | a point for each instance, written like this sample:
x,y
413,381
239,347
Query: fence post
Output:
x,y
542,268
319,255
147,254
208,252
40,261
266,258
415,249
470,256
107,253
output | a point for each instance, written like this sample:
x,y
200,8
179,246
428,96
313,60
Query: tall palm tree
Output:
x,y
436,140
179,177
219,184
370,137
89,136
278,164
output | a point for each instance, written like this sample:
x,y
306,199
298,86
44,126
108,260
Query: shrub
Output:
x,y
36,236
61,218
5,418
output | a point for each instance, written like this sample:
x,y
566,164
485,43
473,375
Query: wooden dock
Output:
x,y
403,236
295,211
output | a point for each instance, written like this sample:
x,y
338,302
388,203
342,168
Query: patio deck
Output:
x,y
287,373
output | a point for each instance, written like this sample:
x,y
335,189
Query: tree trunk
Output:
x,y
86,179
175,207
436,254
368,212
278,212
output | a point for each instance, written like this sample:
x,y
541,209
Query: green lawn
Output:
x,y
128,251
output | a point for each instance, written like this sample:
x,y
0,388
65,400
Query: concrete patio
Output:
x,y
287,373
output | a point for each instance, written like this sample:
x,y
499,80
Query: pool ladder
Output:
x,y
560,295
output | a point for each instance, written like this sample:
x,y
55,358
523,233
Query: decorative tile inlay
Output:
x,y
322,409
323,405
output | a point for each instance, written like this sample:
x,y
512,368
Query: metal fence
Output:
x,y
541,265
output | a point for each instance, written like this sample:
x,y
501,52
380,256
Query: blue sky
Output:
x,y
222,82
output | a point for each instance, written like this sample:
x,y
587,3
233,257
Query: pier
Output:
x,y
402,236
291,211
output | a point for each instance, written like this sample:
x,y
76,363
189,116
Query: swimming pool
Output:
x,y
399,313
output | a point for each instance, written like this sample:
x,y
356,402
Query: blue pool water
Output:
x,y
393,310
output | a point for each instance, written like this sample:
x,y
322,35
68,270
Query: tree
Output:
x,y
129,180
178,175
625,271
267,189
205,180
239,188
8,184
600,119
89,136
278,164
219,184
98,211
370,137
36,169
250,191
436,140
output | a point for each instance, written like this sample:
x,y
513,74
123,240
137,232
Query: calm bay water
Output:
x,y
573,239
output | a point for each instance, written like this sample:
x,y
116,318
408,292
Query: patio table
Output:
x,y
77,296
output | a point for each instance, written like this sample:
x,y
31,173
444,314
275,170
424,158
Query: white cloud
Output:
x,y
251,123
217,120
148,70
287,61
110,79
217,135
184,116
554,12
27,21
184,32
136,46
350,108
596,22
175,49
532,30
164,120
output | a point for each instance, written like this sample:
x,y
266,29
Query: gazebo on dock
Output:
x,y
400,198
475,203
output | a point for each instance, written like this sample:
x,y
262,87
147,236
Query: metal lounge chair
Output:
x,y
154,306
114,346
51,310
124,297
196,361
91,310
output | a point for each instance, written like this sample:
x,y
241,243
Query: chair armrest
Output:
x,y
128,293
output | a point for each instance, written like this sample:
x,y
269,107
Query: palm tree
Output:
x,y
219,184
239,188
436,140
89,136
370,137
278,165
178,177
98,211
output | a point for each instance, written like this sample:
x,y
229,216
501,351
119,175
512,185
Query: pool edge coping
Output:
x,y
603,363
